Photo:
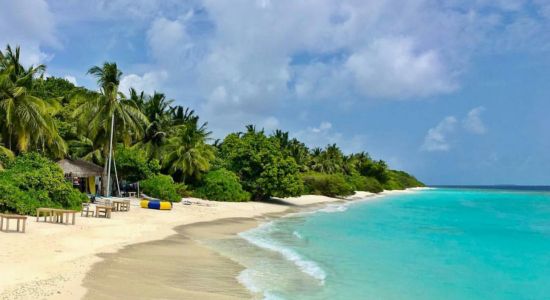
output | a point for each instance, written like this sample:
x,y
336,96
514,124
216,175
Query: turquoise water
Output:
x,y
432,244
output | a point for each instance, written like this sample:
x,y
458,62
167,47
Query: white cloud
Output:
x,y
324,126
148,82
473,123
169,43
393,68
245,60
254,57
71,79
270,123
29,24
436,138
324,134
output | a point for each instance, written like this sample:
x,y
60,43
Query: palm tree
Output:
x,y
24,118
96,114
158,111
329,160
181,115
300,153
138,99
187,154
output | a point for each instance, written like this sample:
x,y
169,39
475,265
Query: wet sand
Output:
x,y
178,267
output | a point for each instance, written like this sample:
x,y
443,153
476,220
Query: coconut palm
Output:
x,y
181,115
187,154
158,111
25,119
138,99
97,111
329,160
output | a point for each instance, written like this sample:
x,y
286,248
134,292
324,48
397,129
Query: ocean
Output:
x,y
442,243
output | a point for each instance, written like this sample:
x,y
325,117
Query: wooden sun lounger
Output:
x,y
9,217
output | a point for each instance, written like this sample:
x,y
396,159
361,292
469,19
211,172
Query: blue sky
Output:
x,y
456,92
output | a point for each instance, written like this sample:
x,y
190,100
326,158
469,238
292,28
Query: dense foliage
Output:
x,y
162,145
399,180
222,185
133,164
162,187
263,170
331,185
363,183
33,181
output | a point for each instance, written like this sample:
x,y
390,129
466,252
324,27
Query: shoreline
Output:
x,y
62,256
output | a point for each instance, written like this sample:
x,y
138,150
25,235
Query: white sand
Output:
x,y
49,261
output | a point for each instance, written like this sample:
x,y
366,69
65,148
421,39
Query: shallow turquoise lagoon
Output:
x,y
431,244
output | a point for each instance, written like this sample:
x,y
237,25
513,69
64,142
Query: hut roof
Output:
x,y
80,168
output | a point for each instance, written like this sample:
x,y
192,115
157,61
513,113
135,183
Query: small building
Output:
x,y
84,175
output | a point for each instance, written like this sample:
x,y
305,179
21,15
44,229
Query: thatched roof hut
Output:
x,y
79,168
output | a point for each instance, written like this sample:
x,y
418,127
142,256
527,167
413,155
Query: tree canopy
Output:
x,y
154,138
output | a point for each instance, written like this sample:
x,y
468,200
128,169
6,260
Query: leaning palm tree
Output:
x,y
108,116
25,119
187,154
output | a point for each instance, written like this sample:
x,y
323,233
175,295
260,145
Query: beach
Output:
x,y
52,261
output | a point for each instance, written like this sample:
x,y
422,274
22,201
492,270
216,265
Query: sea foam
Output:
x,y
259,237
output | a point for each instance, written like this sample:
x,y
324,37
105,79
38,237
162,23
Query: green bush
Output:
x,y
132,164
393,184
367,184
330,185
162,187
404,179
222,185
33,181
263,169
399,180
183,190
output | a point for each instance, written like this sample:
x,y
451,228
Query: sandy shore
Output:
x,y
53,261
180,266
50,261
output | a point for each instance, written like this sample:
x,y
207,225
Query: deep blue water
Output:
x,y
432,244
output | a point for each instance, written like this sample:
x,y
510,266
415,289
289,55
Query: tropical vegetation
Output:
x,y
162,145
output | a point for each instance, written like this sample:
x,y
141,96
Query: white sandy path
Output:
x,y
50,260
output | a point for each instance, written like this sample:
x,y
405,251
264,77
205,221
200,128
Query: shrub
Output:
x,y
330,185
392,184
222,185
404,179
363,183
399,180
133,165
183,190
263,169
33,181
162,187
